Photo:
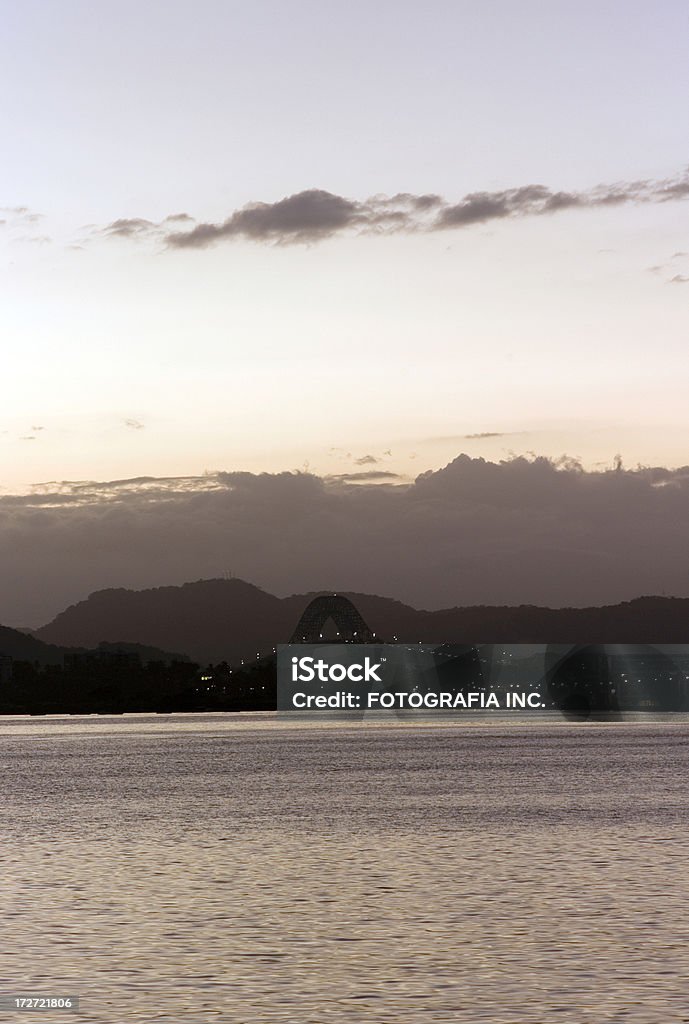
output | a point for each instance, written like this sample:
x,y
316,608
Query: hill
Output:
x,y
228,620
21,647
211,620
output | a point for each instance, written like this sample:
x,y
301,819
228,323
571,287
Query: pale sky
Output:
x,y
271,346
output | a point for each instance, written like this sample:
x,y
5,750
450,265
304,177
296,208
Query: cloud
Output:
x,y
17,215
484,434
518,531
108,493
679,279
478,207
305,217
129,227
316,214
347,456
133,424
22,219
140,228
367,476
536,200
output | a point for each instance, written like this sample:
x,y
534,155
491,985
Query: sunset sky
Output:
x,y
334,331
365,242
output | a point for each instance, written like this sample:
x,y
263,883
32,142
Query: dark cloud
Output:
x,y
475,209
517,531
562,201
304,217
312,216
367,460
315,214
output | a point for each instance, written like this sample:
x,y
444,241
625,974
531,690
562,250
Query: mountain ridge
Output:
x,y
231,619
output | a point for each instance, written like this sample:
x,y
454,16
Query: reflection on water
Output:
x,y
245,869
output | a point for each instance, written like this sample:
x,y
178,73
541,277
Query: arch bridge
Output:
x,y
348,620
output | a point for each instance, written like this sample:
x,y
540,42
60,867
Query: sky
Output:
x,y
340,238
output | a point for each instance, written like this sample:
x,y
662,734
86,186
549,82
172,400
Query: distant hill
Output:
x,y
228,620
211,620
21,646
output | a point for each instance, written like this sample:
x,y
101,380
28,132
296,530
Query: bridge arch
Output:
x,y
348,621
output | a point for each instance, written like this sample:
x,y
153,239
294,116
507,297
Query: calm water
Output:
x,y
239,868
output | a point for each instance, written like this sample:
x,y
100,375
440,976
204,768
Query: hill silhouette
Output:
x,y
22,646
228,620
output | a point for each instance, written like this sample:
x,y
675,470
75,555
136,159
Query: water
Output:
x,y
247,869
